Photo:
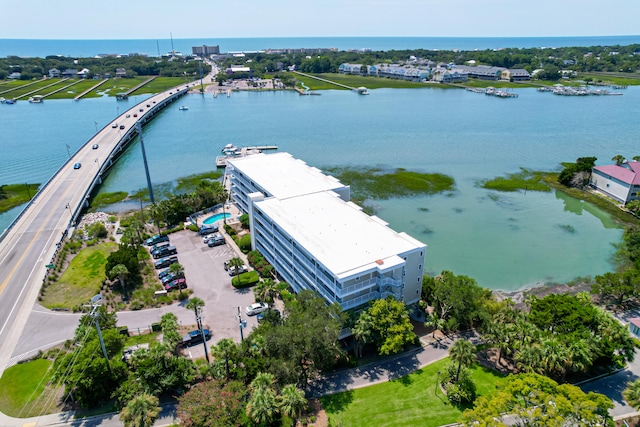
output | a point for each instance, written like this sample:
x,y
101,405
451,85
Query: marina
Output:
x,y
562,90
491,91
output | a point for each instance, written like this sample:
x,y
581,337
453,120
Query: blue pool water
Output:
x,y
216,217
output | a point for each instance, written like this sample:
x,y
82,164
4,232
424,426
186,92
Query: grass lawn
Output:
x,y
82,279
75,90
20,87
23,390
357,81
115,86
17,194
409,401
160,84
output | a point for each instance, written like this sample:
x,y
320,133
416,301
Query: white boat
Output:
x,y
36,99
183,108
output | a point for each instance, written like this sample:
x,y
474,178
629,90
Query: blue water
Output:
x,y
89,48
503,240
216,218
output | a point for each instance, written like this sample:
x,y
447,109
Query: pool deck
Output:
x,y
229,208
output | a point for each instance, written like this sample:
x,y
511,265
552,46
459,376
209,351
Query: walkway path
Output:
x,y
90,89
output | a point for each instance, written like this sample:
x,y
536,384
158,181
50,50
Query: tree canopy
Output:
x,y
536,400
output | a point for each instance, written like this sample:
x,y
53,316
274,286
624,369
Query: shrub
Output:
x,y
244,243
97,230
245,280
193,227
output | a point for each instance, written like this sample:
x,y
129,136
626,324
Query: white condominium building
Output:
x,y
318,240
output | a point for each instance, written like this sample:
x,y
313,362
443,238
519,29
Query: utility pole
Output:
x,y
95,315
146,165
242,324
204,339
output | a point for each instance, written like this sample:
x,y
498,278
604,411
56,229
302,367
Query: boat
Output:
x,y
36,99
183,108
230,150
10,101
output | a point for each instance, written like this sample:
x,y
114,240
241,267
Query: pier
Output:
x,y
359,90
221,161
90,89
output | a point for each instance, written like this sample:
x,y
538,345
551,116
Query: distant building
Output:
x,y
70,73
620,182
442,75
516,75
303,223
54,72
205,50
347,68
83,73
481,72
14,76
121,72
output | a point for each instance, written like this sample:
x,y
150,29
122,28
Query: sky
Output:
x,y
152,19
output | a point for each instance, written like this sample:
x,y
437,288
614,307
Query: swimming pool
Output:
x,y
216,217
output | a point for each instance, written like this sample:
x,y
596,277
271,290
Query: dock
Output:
x,y
136,87
221,161
39,89
90,89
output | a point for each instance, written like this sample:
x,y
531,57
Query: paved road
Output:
x,y
31,243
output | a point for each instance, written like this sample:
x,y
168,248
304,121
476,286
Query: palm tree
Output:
x,y
121,271
632,394
292,402
362,332
235,264
155,211
141,411
619,159
462,352
531,358
196,305
263,380
262,406
176,268
224,348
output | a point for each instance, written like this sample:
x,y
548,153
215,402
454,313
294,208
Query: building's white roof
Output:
x,y
284,176
338,234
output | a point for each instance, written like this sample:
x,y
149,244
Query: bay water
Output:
x,y
504,240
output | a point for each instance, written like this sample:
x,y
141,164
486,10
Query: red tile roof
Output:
x,y
635,321
630,175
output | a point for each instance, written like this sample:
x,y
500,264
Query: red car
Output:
x,y
176,284
135,115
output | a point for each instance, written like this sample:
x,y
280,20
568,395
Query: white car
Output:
x,y
237,270
256,308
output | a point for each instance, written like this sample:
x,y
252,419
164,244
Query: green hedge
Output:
x,y
244,280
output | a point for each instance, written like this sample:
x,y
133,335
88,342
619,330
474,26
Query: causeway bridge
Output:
x,y
28,245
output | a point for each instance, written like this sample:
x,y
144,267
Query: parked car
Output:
x,y
121,126
208,229
171,277
95,146
257,307
216,241
135,114
164,273
165,262
156,239
195,337
208,237
159,245
237,270
128,115
176,284
164,251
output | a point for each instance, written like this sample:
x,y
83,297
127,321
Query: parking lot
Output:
x,y
207,278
